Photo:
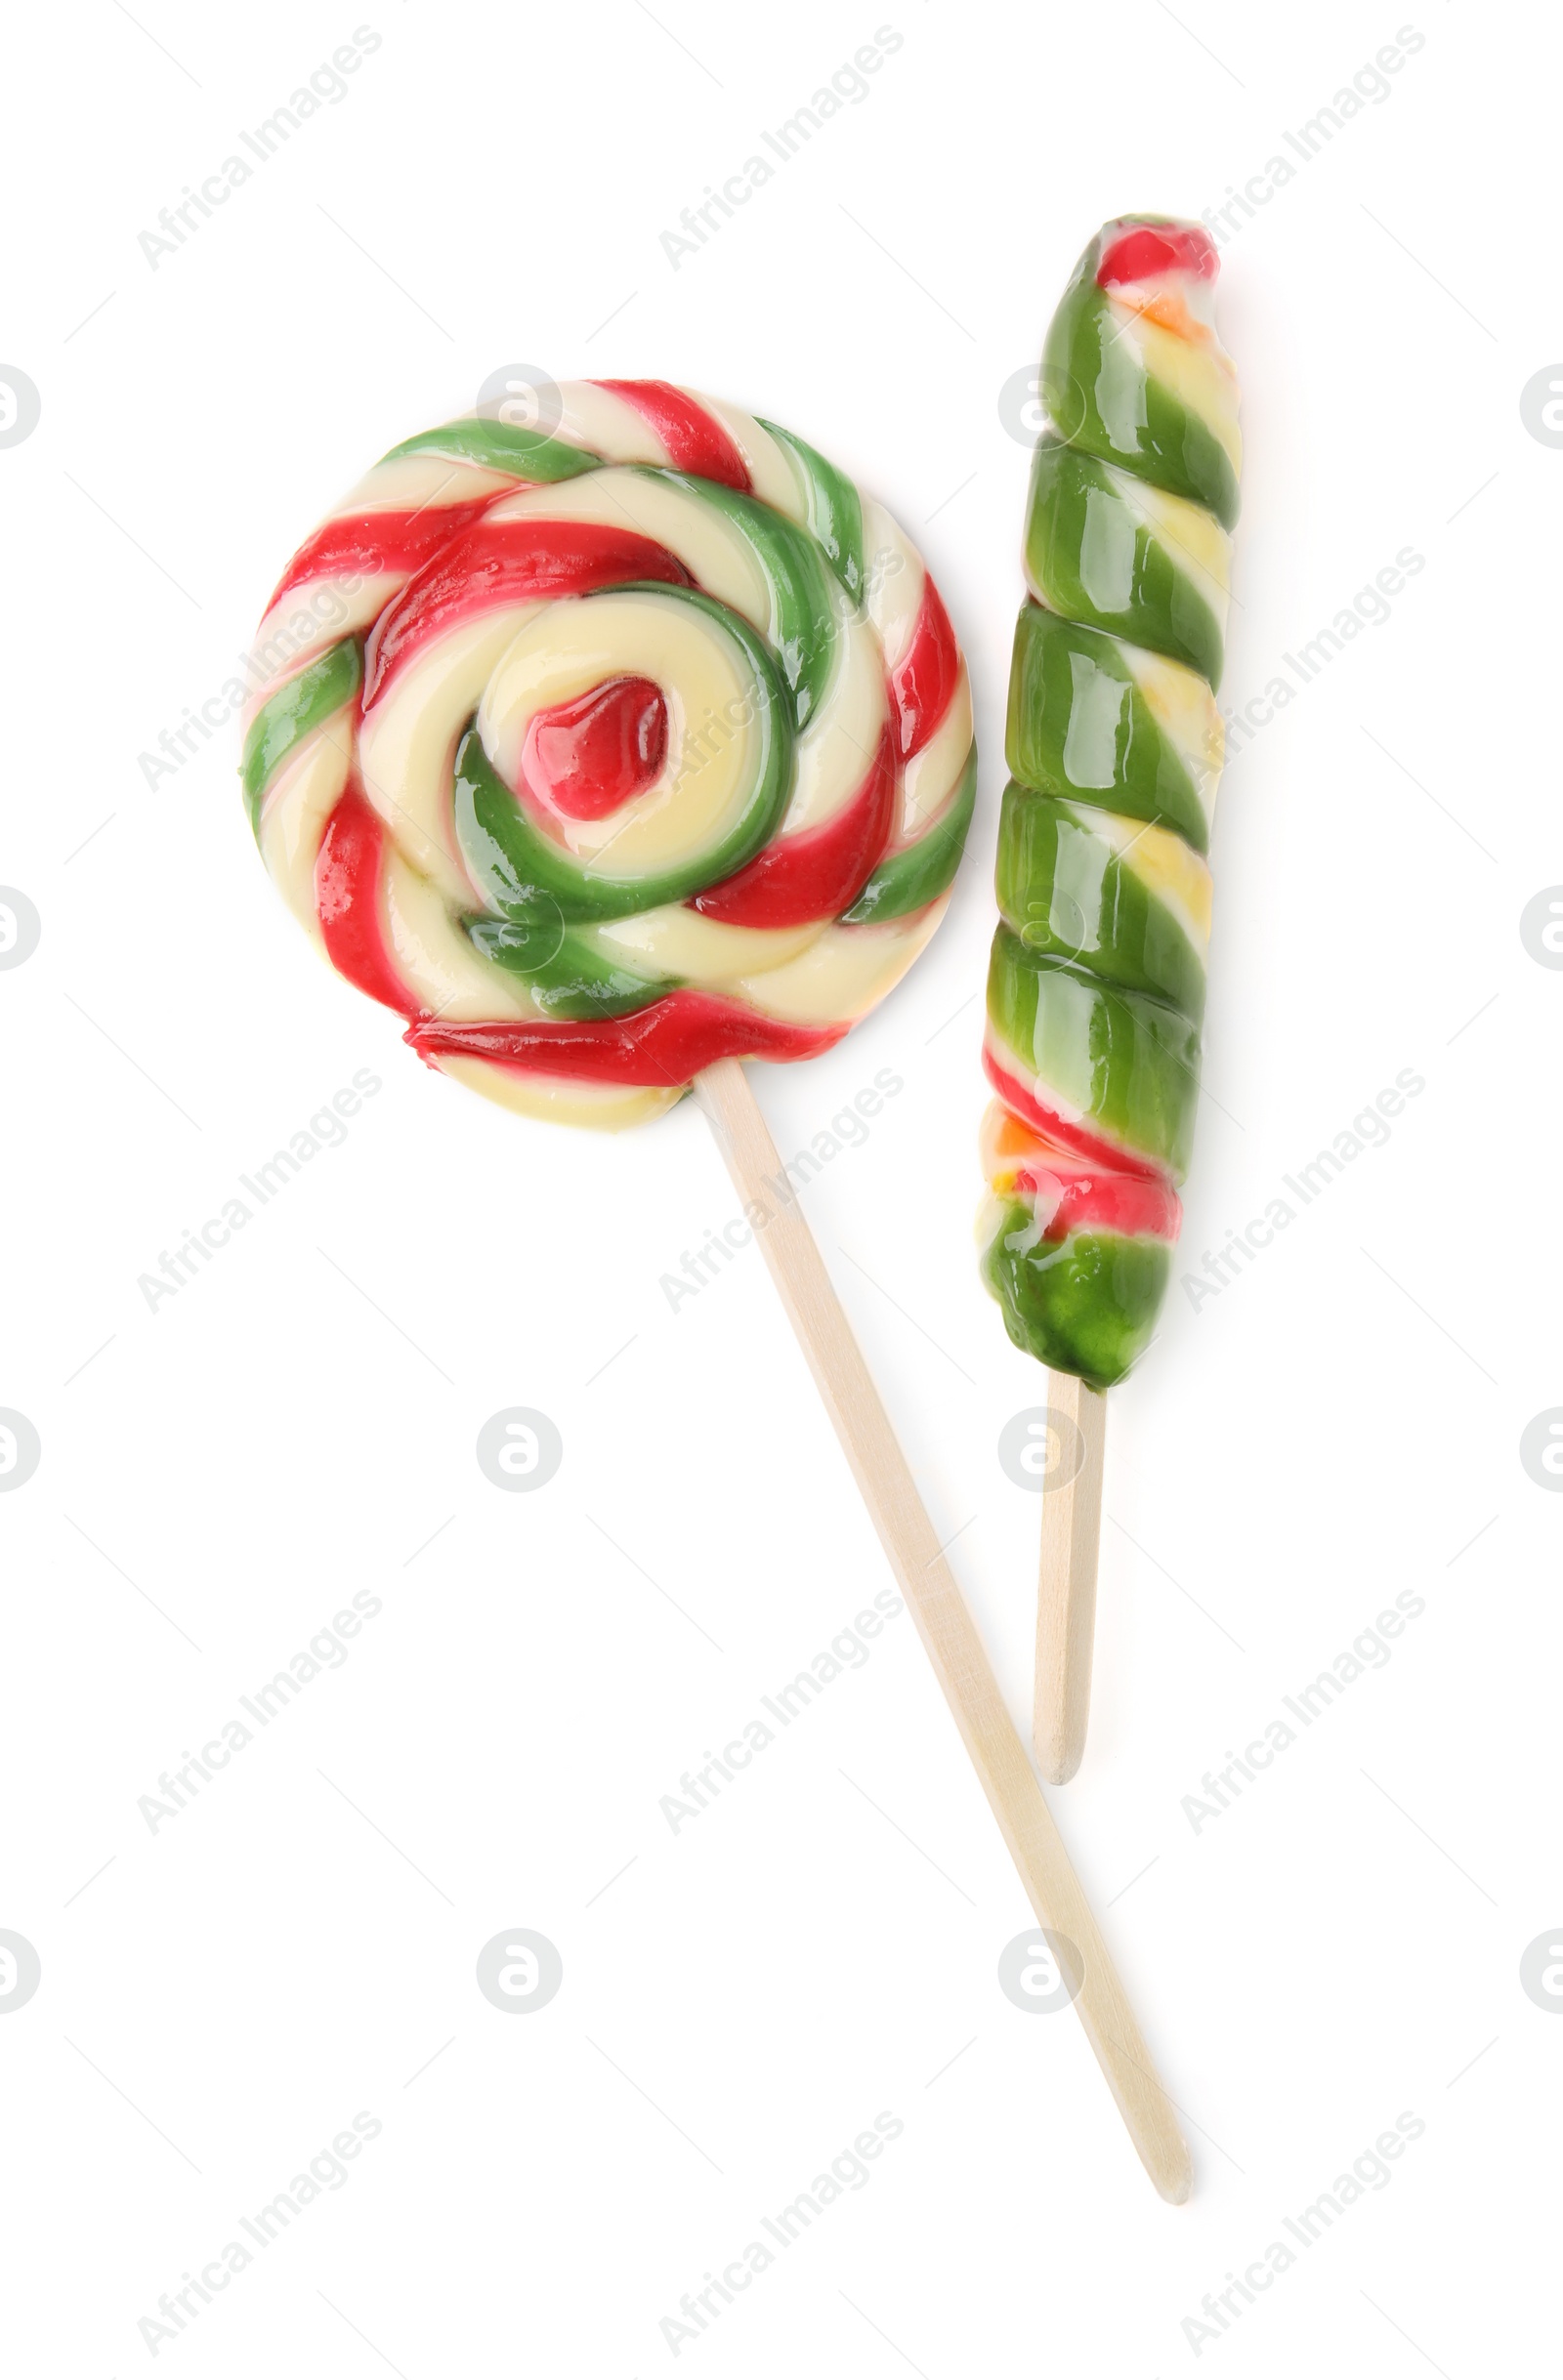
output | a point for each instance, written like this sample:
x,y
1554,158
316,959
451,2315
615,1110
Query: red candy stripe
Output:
x,y
819,871
663,1045
922,683
585,759
1097,1198
347,899
508,561
1067,1132
1146,250
376,544
696,440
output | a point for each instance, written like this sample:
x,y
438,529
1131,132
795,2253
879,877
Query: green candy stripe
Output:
x,y
568,976
803,618
1100,398
1090,557
527,455
834,508
325,685
529,878
1080,725
1127,1062
1086,1304
918,875
1063,891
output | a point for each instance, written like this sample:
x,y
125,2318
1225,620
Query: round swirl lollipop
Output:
x,y
613,753
632,744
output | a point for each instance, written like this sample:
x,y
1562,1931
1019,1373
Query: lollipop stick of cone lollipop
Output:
x,y
1066,1585
609,748
1096,985
949,1633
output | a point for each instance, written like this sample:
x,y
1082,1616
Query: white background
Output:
x,y
1338,1426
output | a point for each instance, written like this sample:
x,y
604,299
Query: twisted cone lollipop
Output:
x,y
1096,984
613,753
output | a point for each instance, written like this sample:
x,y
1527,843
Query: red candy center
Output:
x,y
1175,248
584,758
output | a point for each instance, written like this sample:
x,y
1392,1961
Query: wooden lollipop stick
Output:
x,y
1066,1593
945,1626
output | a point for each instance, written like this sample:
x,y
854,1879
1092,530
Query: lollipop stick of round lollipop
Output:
x,y
1096,985
949,1634
612,750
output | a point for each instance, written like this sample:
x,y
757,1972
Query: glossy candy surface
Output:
x,y
1096,982
603,752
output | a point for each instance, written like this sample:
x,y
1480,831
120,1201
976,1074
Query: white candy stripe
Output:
x,y
1162,861
446,977
992,1212
703,950
845,971
561,1099
933,775
1193,539
604,423
895,573
294,816
1198,544
406,744
1197,371
1185,709
798,497
422,483
418,482
840,738
838,746
772,472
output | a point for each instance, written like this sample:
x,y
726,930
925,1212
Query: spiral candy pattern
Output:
x,y
605,750
1113,744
